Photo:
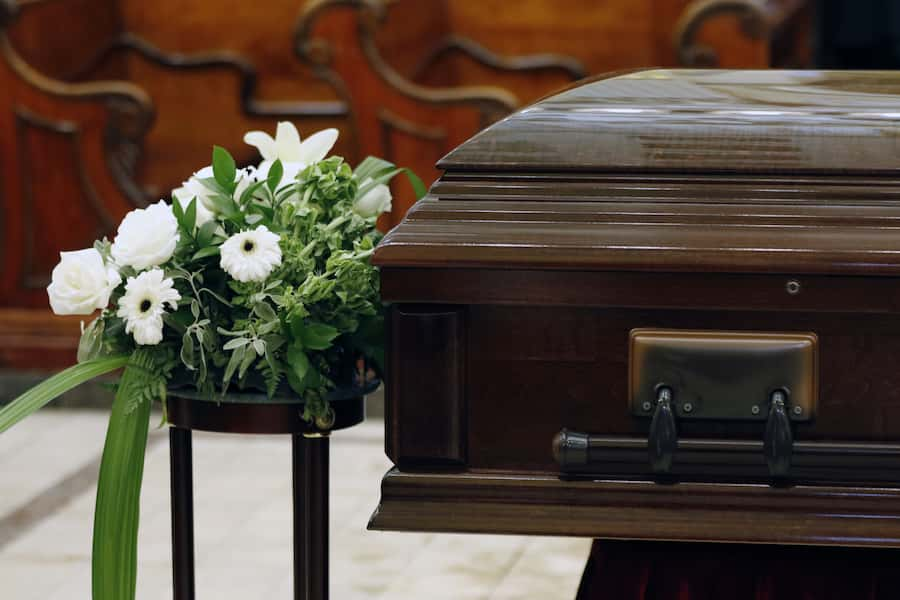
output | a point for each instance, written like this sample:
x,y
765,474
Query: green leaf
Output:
x,y
205,252
187,350
90,345
235,343
314,336
370,166
417,184
233,363
265,311
379,178
249,357
298,362
248,193
44,392
224,168
117,510
206,232
212,185
177,210
190,216
223,204
274,176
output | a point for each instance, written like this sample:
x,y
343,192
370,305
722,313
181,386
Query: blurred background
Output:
x,y
110,104
107,105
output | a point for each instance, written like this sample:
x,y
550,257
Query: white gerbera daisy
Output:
x,y
251,255
143,304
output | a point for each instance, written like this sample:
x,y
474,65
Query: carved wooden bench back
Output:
x,y
66,152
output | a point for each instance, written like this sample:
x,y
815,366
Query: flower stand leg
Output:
x,y
181,469
310,472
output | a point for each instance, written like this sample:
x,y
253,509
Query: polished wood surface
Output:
x,y
701,121
556,233
762,224
398,119
524,503
176,53
538,370
64,185
714,171
439,334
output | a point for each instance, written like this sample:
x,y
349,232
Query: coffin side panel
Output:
x,y
426,386
567,367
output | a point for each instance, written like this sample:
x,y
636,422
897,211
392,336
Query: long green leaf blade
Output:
x,y
417,184
117,511
55,386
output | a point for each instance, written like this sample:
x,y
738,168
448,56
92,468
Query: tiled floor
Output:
x,y
242,497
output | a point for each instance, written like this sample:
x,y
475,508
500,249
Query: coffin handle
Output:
x,y
778,441
662,440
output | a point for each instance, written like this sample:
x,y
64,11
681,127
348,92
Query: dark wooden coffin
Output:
x,y
660,305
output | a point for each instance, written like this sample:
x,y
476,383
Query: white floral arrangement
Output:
x,y
251,279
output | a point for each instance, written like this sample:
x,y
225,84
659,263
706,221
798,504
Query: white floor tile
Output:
x,y
244,525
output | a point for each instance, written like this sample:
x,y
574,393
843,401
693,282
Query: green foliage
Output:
x,y
55,386
300,331
329,185
117,510
224,169
303,330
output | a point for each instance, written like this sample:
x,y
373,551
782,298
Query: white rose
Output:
x,y
81,283
146,237
374,202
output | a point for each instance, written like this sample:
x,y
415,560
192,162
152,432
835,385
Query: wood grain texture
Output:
x,y
527,504
558,247
765,224
701,121
64,189
428,388
402,121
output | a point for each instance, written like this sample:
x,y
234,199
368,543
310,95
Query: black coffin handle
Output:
x,y
662,440
778,441
583,453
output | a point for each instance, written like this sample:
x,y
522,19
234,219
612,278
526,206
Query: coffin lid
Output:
x,y
675,170
701,121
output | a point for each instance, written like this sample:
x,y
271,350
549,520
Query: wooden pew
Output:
x,y
66,152
782,29
406,122
208,75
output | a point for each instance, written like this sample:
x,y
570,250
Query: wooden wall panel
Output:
x,y
58,51
59,191
605,35
260,33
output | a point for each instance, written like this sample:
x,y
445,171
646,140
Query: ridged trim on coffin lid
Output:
x,y
744,225
702,121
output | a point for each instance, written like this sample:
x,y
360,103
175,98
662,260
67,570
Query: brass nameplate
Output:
x,y
723,374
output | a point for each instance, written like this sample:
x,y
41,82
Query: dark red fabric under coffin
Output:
x,y
670,571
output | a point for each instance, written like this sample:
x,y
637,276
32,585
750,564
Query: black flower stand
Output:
x,y
256,414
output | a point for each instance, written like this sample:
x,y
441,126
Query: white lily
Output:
x,y
294,154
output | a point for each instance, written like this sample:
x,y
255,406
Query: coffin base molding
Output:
x,y
543,504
